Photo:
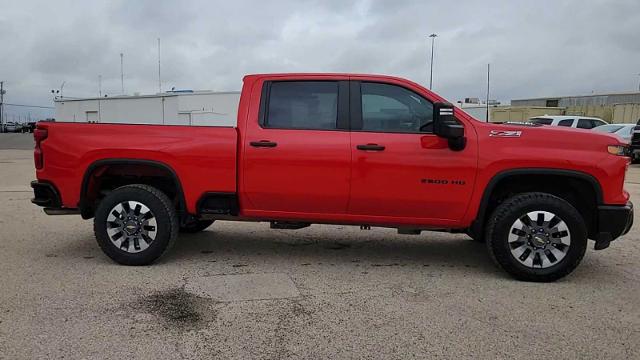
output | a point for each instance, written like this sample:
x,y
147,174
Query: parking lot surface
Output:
x,y
241,290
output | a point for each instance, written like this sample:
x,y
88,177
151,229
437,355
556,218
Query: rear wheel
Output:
x,y
536,237
135,224
195,226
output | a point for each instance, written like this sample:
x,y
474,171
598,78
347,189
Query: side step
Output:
x,y
288,225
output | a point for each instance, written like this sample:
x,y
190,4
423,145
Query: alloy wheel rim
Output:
x,y
539,239
131,226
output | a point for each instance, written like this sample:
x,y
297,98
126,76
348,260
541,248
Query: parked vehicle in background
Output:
x,y
635,141
364,150
625,131
580,122
30,126
13,127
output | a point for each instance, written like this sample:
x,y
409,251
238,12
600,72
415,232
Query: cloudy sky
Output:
x,y
536,48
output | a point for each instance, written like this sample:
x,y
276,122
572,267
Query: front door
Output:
x,y
296,156
401,170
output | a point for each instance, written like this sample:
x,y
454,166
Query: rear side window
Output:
x,y
541,121
391,108
302,105
565,122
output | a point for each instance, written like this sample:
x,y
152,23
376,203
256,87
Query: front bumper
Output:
x,y
613,222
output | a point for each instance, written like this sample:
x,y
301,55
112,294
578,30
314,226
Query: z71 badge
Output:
x,y
505,133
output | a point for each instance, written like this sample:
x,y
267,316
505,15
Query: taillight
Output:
x,y
39,135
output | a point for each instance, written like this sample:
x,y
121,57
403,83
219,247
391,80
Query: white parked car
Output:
x,y
625,131
574,121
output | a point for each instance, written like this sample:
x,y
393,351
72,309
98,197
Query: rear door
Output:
x,y
296,155
401,170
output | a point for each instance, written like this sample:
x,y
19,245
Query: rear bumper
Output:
x,y
613,222
46,195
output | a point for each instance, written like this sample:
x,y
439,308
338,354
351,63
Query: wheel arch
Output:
x,y
87,207
518,176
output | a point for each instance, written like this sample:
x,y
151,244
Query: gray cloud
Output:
x,y
536,48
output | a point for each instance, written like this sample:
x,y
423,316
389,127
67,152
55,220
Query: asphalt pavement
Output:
x,y
244,291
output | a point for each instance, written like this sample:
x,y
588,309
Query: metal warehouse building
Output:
x,y
584,100
623,107
198,108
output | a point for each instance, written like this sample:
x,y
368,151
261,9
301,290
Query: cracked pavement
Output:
x,y
241,290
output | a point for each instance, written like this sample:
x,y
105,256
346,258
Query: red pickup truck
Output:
x,y
342,149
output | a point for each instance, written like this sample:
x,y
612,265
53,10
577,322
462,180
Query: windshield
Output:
x,y
608,128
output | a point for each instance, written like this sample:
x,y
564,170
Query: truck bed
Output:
x,y
203,157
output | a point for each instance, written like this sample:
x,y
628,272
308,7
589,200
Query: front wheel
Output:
x,y
536,237
135,224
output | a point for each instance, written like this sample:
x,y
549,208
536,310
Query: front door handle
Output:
x,y
263,143
370,147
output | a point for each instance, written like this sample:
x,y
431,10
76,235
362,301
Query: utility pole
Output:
x,y
433,38
122,73
62,88
159,78
639,83
1,106
487,100
99,85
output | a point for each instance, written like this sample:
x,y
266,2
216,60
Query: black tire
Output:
x,y
505,215
165,217
195,226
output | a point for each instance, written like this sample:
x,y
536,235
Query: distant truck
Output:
x,y
364,150
574,121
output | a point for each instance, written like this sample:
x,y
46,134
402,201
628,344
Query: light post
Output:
x,y
433,38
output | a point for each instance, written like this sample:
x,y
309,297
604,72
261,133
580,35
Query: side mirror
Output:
x,y
446,126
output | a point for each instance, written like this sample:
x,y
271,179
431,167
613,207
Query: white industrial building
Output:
x,y
184,107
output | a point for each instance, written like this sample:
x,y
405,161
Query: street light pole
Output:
x,y
122,73
433,38
1,106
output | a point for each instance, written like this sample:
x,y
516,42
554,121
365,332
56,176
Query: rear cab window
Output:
x,y
565,122
310,105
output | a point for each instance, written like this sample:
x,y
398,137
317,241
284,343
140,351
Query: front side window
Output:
x,y
391,108
302,105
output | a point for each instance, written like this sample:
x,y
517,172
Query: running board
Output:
x,y
61,211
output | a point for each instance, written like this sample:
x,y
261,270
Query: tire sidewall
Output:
x,y
499,243
163,225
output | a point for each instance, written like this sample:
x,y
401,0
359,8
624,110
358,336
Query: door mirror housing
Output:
x,y
446,126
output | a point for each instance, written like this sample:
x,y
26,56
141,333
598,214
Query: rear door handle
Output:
x,y
370,147
263,143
